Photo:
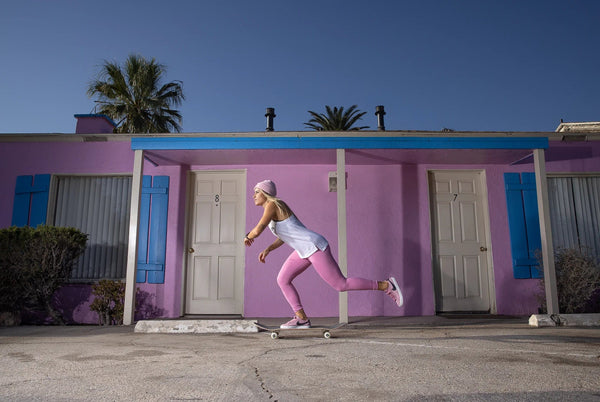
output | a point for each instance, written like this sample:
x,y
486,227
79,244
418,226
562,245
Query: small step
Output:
x,y
195,326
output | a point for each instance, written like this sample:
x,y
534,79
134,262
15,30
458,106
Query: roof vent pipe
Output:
x,y
270,115
379,112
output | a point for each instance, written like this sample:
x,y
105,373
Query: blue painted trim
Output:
x,y
532,221
516,225
22,201
30,204
144,228
156,276
194,143
39,199
150,267
152,247
523,223
144,220
157,243
151,190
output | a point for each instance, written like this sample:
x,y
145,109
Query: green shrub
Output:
x,y
108,301
577,281
13,263
34,264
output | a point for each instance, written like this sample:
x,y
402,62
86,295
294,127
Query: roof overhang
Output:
x,y
362,148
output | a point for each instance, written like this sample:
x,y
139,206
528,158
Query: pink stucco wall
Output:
x,y
387,215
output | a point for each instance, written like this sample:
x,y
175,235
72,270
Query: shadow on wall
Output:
x,y
411,232
145,306
73,302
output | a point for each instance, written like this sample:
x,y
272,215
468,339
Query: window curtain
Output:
x,y
98,206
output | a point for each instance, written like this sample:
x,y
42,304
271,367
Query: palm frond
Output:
x,y
133,96
336,119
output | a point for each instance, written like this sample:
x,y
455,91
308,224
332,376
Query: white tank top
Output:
x,y
291,231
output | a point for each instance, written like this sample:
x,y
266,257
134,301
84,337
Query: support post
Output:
x,y
342,239
539,162
132,249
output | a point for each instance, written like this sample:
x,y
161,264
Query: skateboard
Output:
x,y
325,329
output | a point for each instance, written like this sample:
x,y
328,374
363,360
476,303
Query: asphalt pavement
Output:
x,y
401,359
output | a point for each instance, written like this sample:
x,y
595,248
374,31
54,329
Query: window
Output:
x,y
98,206
574,204
575,212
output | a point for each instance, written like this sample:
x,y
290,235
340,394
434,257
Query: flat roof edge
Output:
x,y
330,142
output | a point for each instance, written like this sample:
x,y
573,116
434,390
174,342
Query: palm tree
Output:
x,y
336,119
134,98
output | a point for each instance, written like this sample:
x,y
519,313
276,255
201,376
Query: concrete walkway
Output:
x,y
408,359
222,325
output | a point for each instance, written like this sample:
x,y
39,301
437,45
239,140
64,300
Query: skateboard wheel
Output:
x,y
274,335
326,334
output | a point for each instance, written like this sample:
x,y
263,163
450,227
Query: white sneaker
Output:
x,y
296,323
394,292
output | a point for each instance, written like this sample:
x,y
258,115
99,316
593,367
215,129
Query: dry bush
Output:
x,y
577,282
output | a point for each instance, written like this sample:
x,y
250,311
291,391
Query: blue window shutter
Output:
x,y
153,229
523,222
157,248
22,201
31,200
532,222
144,228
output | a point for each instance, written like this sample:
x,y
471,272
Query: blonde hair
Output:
x,y
283,208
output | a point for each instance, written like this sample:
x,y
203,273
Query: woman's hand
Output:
x,y
248,242
263,255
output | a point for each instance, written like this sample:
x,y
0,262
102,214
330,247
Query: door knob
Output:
x,y
190,250
482,248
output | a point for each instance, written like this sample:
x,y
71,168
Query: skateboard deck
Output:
x,y
324,329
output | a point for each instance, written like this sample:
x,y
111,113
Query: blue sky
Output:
x,y
465,65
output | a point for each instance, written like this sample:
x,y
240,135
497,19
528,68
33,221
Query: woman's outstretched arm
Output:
x,y
268,215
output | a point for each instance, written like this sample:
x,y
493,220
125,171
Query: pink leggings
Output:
x,y
327,269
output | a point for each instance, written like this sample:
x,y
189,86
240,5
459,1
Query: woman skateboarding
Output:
x,y
310,248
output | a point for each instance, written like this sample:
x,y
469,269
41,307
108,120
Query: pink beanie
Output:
x,y
268,187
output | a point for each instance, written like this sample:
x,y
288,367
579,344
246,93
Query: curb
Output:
x,y
567,320
194,326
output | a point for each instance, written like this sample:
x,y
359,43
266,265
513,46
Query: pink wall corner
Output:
x,y
375,234
386,226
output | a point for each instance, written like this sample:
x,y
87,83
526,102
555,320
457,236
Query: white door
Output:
x,y
459,228
215,263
